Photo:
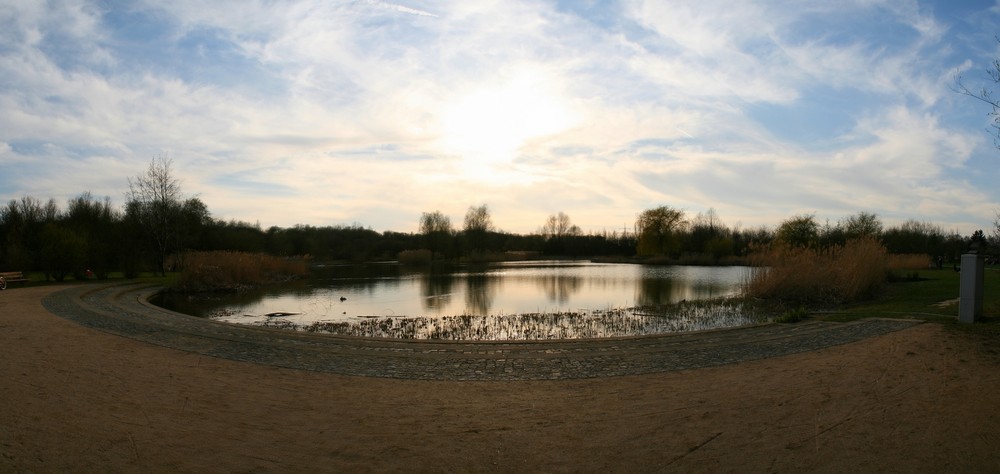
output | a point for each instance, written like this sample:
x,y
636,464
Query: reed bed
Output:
x,y
615,322
235,271
415,257
834,275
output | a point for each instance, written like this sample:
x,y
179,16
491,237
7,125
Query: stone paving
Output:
x,y
123,309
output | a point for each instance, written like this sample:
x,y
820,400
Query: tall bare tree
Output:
x,y
153,201
985,95
559,225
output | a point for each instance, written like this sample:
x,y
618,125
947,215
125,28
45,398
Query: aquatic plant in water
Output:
x,y
581,324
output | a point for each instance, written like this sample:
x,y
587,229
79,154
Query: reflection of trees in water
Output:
x,y
436,288
658,291
559,288
708,290
479,292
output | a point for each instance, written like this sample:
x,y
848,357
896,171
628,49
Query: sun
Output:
x,y
489,124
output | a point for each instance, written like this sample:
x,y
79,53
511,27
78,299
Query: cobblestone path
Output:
x,y
124,310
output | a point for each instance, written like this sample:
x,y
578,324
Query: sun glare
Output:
x,y
487,126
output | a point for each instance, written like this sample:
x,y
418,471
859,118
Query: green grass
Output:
x,y
923,299
792,316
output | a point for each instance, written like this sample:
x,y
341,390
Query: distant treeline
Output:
x,y
90,236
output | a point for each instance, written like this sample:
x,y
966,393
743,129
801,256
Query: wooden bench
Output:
x,y
11,277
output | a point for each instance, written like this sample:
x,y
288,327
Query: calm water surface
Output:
x,y
356,293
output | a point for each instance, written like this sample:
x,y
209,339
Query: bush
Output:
x,y
838,274
233,271
415,257
909,261
792,316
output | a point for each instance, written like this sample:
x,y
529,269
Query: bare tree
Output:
x,y
154,200
477,218
559,225
985,95
477,224
431,222
996,229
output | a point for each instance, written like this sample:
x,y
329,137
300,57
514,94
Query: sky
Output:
x,y
370,113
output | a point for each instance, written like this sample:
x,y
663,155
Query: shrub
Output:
x,y
792,315
838,274
233,271
909,261
415,257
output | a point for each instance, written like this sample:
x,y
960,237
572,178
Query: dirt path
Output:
x,y
75,399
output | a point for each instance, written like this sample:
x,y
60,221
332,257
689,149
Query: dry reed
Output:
x,y
909,261
233,271
801,275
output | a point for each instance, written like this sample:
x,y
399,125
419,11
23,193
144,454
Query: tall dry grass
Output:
x,y
233,271
800,275
909,261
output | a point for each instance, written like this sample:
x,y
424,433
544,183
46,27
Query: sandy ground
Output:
x,y
73,399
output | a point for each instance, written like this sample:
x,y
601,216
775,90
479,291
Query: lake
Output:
x,y
509,300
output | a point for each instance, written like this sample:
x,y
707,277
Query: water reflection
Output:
x,y
436,288
387,290
480,288
560,288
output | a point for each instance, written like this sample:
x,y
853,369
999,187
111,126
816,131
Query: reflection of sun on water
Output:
x,y
487,126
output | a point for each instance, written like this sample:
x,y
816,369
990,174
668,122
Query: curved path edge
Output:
x,y
124,310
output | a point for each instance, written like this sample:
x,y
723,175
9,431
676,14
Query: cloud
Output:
x,y
373,112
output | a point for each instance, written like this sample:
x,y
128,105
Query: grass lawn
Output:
x,y
932,298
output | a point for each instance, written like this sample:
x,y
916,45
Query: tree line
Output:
x,y
91,237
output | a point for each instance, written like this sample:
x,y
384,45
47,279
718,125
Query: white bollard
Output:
x,y
970,304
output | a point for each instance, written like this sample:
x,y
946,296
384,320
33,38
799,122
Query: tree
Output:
x,y
915,237
22,222
985,95
194,218
477,224
95,222
559,225
659,231
63,251
709,236
977,242
436,228
559,235
863,225
996,228
154,203
799,231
